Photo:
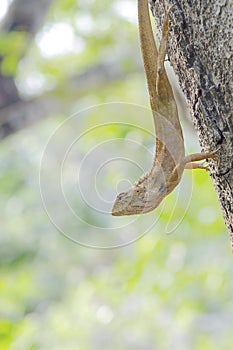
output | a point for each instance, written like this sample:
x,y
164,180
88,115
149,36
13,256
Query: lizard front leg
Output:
x,y
190,159
196,166
199,156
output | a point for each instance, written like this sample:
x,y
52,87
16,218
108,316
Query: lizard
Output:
x,y
169,160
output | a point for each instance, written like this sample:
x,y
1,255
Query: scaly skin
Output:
x,y
170,160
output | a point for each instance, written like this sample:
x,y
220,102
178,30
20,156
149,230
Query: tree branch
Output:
x,y
23,16
22,114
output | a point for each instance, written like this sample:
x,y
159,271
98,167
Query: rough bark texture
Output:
x,y
200,51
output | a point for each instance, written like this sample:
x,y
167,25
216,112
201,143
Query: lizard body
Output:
x,y
170,160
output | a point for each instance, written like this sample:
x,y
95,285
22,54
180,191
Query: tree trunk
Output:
x,y
200,52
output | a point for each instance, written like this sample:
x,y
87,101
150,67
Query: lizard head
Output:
x,y
143,197
130,202
139,199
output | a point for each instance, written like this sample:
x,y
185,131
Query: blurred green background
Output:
x,y
171,287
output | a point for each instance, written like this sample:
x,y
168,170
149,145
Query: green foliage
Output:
x,y
11,47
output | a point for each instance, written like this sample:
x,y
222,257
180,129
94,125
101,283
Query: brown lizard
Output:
x,y
170,160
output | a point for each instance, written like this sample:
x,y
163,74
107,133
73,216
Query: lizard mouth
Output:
x,y
127,211
117,213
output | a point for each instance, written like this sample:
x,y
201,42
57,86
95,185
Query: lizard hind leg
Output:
x,y
167,12
164,7
163,47
163,42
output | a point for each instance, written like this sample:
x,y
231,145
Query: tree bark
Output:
x,y
200,51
